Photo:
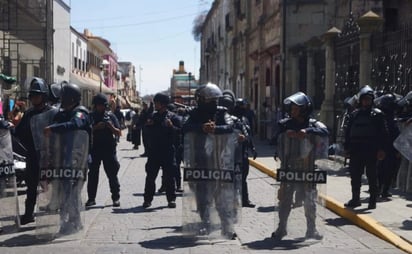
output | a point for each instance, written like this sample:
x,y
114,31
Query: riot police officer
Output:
x,y
162,131
365,138
297,126
388,167
72,116
210,119
247,147
105,129
38,96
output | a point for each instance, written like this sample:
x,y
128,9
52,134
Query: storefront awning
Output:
x,y
89,84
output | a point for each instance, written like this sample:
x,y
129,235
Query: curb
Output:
x,y
361,220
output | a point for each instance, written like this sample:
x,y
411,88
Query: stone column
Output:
x,y
327,111
368,23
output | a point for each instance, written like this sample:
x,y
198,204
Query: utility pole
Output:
x,y
140,80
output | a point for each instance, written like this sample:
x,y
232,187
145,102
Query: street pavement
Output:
x,y
158,229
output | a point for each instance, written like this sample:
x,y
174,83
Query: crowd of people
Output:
x,y
207,145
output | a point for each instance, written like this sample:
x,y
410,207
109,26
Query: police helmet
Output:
x,y
302,100
70,94
207,92
171,107
241,102
406,100
228,99
55,91
163,99
100,99
366,91
38,86
351,102
387,102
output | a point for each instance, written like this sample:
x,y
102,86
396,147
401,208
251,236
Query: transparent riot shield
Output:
x,y
63,168
300,184
38,123
238,179
403,143
210,206
9,208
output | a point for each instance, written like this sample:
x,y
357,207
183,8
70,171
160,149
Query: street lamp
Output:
x,y
190,89
102,67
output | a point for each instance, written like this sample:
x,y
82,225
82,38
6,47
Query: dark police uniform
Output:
x,y
314,127
247,146
64,121
365,135
224,124
24,134
161,153
104,149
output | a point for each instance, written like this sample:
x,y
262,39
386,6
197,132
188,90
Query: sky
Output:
x,y
152,34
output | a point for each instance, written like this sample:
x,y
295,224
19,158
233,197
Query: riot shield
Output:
x,y
238,179
300,181
9,208
38,123
63,168
403,143
209,200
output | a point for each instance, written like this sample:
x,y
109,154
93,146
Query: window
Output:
x,y
239,8
228,23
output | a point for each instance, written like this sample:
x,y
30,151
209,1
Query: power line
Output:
x,y
144,22
126,17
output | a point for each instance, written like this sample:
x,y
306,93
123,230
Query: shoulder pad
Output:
x,y
221,109
376,111
316,123
235,118
284,120
82,108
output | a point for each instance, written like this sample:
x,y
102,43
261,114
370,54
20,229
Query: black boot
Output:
x,y
355,201
372,202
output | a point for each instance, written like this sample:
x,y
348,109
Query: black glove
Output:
x,y
4,124
275,156
254,153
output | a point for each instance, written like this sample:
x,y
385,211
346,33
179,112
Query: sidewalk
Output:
x,y
391,220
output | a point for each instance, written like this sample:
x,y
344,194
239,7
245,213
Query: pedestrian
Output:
x,y
17,113
366,135
38,96
135,129
105,128
72,116
207,133
162,128
296,129
120,117
8,191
